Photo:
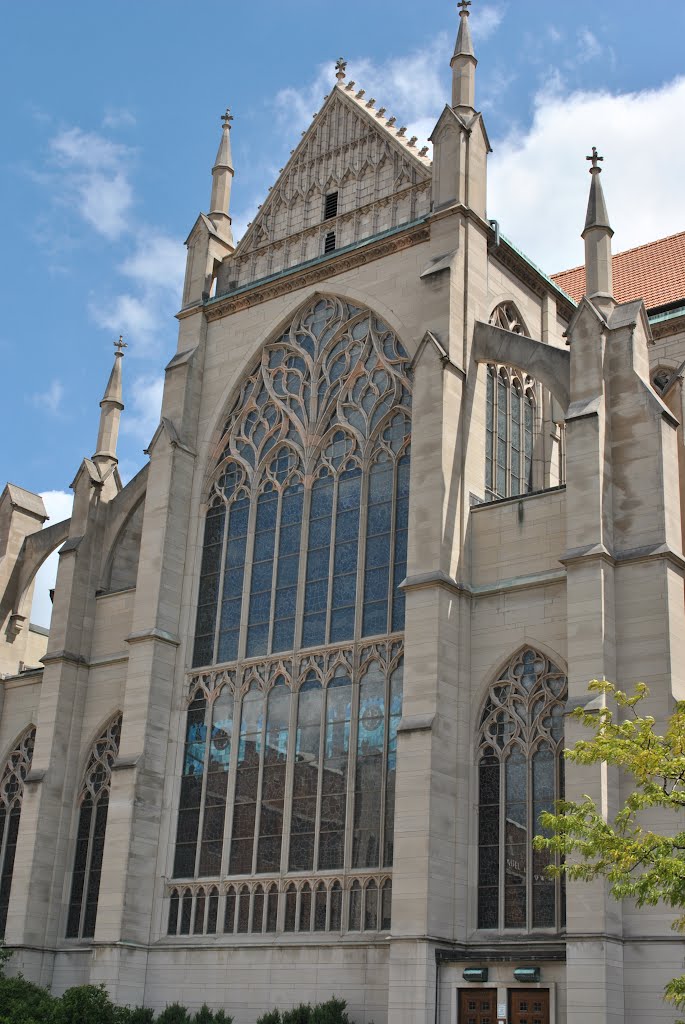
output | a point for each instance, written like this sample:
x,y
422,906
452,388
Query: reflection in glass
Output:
x,y
306,775
335,768
273,778
247,779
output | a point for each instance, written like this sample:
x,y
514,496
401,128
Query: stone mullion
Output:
x,y
302,568
319,781
231,782
209,711
222,573
274,569
361,564
247,577
289,777
331,552
89,858
352,763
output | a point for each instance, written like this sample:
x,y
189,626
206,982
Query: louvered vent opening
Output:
x,y
331,206
329,244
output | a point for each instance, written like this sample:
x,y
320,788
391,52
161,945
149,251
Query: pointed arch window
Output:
x,y
14,773
317,444
304,554
520,774
90,837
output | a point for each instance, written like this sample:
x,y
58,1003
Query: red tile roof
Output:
x,y
654,272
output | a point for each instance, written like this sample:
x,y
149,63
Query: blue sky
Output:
x,y
111,123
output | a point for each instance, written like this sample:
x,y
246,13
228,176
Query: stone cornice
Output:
x,y
52,657
155,635
295,278
509,258
600,553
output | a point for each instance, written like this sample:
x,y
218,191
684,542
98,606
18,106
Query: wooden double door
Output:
x,y
526,1006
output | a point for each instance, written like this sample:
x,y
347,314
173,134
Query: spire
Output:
x,y
463,64
111,408
222,179
597,235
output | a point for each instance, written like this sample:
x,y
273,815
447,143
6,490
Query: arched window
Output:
x,y
305,549
15,770
520,774
510,427
317,443
90,838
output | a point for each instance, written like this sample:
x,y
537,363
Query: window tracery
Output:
x,y
305,548
345,704
328,406
90,838
14,773
326,905
520,774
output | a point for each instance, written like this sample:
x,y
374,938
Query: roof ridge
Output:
x,y
368,108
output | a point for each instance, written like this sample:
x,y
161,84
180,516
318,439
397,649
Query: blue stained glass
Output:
x,y
233,582
314,629
211,559
291,512
317,564
316,597
342,624
375,618
322,498
257,639
345,559
319,533
283,633
380,483
264,544
209,590
260,606
380,517
347,525
262,574
290,538
377,584
228,645
401,546
288,570
348,489
285,602
344,590
378,551
230,614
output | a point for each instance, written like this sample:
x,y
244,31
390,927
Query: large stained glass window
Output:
x,y
299,623
314,466
14,772
520,775
90,836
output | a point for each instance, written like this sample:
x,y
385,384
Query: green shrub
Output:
x,y
5,955
85,1004
206,1016
301,1014
21,1002
135,1015
332,1012
174,1014
272,1017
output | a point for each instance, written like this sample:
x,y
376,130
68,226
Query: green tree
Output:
x,y
639,864
85,1004
22,1002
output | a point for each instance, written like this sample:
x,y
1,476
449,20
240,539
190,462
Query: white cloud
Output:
x,y
538,178
118,118
155,269
143,407
92,176
486,22
58,505
51,399
589,46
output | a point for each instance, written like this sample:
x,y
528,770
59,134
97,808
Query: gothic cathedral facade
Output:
x,y
307,682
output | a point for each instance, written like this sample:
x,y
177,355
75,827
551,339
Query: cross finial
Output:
x,y
464,8
595,160
340,69
120,345
227,118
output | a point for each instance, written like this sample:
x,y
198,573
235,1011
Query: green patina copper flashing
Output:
x,y
670,314
324,258
537,270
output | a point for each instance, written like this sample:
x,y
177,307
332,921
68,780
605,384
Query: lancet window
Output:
x,y
305,533
509,419
14,773
90,837
520,775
